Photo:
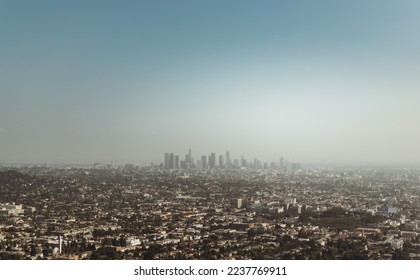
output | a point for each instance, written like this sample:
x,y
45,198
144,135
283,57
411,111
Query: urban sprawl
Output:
x,y
203,209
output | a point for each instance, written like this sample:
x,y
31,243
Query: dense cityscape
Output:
x,y
208,209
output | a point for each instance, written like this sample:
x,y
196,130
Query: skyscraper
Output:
x,y
243,161
221,165
199,164
171,161
204,162
189,160
257,164
166,161
228,160
212,160
176,161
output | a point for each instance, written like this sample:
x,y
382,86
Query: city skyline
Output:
x,y
329,82
132,213
174,161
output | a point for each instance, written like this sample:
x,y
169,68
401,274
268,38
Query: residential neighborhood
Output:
x,y
126,212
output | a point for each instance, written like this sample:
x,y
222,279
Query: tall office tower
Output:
x,y
176,161
191,159
199,164
243,161
204,162
221,164
287,165
171,161
166,161
236,162
228,160
188,158
212,160
257,164
281,163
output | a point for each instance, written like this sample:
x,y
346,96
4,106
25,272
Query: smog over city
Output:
x,y
209,129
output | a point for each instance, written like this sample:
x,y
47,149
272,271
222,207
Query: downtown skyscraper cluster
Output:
x,y
172,161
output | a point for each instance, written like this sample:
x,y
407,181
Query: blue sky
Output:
x,y
125,81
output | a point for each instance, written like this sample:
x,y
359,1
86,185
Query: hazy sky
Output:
x,y
125,81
